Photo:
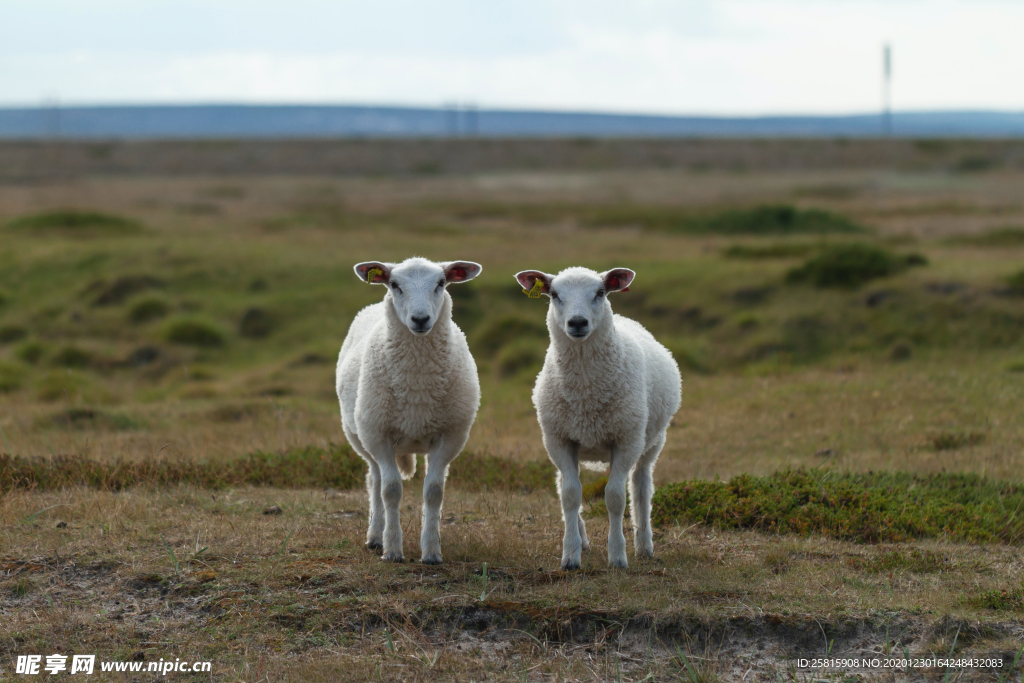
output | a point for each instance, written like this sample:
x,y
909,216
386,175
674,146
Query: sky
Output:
x,y
711,57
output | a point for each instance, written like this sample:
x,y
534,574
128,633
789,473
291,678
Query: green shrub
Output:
x,y
256,324
88,419
194,332
1005,600
72,357
73,221
1016,283
496,332
867,508
771,219
121,289
953,441
31,352
520,354
1000,237
778,219
146,309
913,560
12,333
11,377
851,265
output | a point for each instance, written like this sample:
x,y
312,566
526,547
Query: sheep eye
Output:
x,y
396,288
554,294
600,293
440,283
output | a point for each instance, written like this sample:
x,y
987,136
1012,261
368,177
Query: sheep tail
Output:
x,y
406,464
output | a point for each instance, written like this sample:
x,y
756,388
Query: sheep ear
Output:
x,y
534,282
461,271
374,272
617,279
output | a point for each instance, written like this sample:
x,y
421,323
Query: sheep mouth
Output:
x,y
579,335
420,330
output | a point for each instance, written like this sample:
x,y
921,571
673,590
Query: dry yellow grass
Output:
x,y
296,596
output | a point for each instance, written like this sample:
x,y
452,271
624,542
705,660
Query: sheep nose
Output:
x,y
578,324
421,320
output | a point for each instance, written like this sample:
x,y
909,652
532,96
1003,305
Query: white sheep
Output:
x,y
407,384
606,393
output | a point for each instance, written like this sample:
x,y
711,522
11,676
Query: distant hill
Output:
x,y
266,121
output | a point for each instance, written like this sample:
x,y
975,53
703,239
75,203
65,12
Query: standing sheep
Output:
x,y
606,393
407,384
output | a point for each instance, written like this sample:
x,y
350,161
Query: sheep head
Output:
x,y
417,286
579,302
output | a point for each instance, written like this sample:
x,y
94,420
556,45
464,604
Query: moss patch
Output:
x,y
868,508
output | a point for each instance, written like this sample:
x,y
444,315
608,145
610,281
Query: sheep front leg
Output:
x,y
375,532
391,496
565,458
433,497
615,501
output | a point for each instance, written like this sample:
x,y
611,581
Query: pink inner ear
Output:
x,y
613,282
456,274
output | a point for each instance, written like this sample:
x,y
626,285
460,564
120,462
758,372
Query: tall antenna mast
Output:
x,y
887,91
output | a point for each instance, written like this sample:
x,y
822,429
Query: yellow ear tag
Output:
x,y
536,290
372,274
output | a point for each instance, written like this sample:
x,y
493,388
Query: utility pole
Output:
x,y
887,91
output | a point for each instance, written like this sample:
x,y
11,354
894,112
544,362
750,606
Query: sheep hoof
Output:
x,y
431,559
570,565
619,564
393,557
375,546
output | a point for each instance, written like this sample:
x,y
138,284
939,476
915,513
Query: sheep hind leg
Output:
x,y
641,488
375,531
375,528
585,540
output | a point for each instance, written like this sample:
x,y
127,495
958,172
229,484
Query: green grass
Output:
x,y
1000,237
867,508
777,250
11,377
337,467
76,222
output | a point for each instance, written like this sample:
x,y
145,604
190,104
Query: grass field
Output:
x,y
167,348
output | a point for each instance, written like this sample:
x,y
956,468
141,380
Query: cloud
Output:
x,y
723,56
